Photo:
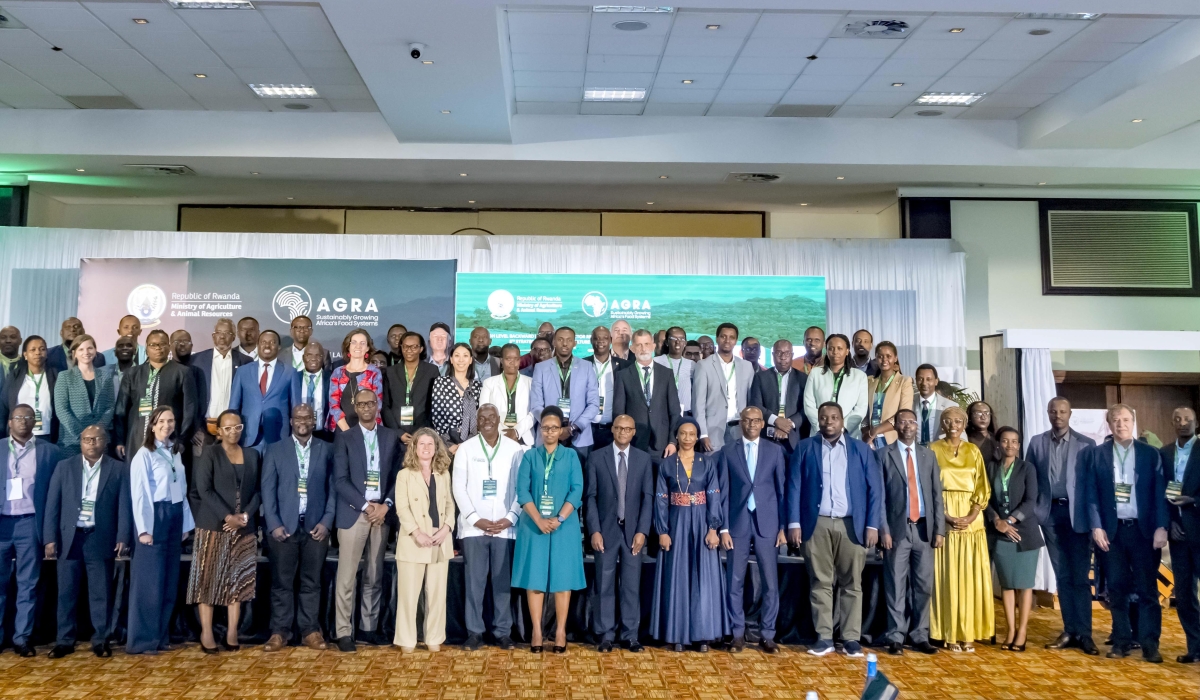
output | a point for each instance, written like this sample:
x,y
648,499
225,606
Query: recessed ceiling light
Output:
x,y
713,27
687,81
1039,32
470,201
630,25
139,20
1041,183
949,99
897,84
462,174
841,177
1137,121
663,177
445,111
649,202
804,204
295,105
212,4
200,75
929,113
614,95
253,173
427,63
1059,15
285,91
80,170
291,197
632,8
958,30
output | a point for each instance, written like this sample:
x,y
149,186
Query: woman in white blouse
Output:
x,y
161,519
510,390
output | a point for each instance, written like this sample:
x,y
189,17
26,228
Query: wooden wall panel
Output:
x,y
652,224
261,219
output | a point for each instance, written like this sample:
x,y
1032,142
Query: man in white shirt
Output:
x,y
484,480
720,390
606,365
928,405
218,364
680,366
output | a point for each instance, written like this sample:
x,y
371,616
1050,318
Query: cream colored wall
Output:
x,y
885,224
48,212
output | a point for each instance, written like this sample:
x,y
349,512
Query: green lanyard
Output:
x,y
877,408
89,475
600,372
153,376
37,389
1121,455
550,457
511,404
1005,475
408,384
673,370
490,457
782,398
564,378
12,449
166,454
372,441
837,382
297,364
302,457
730,373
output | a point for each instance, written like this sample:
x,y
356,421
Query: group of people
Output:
x,y
652,445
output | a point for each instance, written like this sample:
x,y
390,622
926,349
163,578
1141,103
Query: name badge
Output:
x,y
489,488
602,404
37,421
372,480
1174,489
510,421
1124,492
770,432
406,415
565,406
16,489
145,407
302,487
546,507
87,512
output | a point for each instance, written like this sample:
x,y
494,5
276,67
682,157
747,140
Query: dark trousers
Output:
x,y
617,567
738,558
298,555
1071,556
1131,566
908,583
485,556
1185,566
19,539
154,581
99,568
601,435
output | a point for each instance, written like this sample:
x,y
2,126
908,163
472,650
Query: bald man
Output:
x,y
1181,466
622,335
128,326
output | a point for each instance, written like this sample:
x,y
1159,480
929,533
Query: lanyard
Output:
x,y
37,389
165,454
837,382
1005,475
730,373
1121,457
564,378
550,457
674,371
302,454
153,376
372,441
408,384
602,371
877,407
511,392
89,475
782,398
297,360
490,457
16,456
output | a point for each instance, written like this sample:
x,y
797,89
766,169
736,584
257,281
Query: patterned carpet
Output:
x,y
378,672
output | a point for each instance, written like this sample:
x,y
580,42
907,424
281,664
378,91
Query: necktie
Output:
x,y
622,477
646,384
751,466
925,421
312,389
262,381
914,503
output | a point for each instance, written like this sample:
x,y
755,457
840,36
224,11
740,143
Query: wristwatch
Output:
x,y
561,519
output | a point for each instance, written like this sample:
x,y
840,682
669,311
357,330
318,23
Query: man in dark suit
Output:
x,y
914,524
262,395
838,520
159,381
56,357
29,466
606,365
753,477
217,366
247,334
87,525
181,352
645,391
1181,469
310,386
786,424
486,366
407,387
1062,513
366,460
619,507
299,509
1127,511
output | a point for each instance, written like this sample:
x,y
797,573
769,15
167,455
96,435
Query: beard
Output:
x,y
645,358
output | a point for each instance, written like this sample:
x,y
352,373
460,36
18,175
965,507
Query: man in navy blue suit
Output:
x,y
753,479
570,383
1127,511
310,385
262,395
838,518
56,357
217,365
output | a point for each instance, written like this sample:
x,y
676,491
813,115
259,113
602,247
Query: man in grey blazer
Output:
x,y
914,525
928,404
1062,513
720,389
570,383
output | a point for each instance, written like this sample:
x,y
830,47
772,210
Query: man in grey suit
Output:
x,y
928,404
914,524
1062,513
720,389
570,383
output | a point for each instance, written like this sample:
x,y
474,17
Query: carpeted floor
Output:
x,y
378,672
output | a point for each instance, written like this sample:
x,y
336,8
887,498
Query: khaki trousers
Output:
x,y
410,579
351,545
834,558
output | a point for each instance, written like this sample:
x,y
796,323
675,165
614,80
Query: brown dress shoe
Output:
x,y
275,643
314,640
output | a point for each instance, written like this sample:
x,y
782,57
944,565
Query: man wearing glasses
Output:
x,y
160,381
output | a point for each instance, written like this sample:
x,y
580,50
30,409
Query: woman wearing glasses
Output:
x,y
226,549
346,381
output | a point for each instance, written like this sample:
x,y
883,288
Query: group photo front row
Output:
x,y
691,455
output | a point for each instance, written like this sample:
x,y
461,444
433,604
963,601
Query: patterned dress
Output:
x,y
453,414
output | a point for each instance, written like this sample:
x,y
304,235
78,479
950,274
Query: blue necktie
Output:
x,y
751,465
312,389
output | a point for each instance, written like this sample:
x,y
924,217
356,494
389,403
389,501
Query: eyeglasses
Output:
x,y
551,428
751,421
91,440
233,428
157,345
364,404
906,421
624,429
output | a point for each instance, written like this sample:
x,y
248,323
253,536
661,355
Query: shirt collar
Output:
x,y
270,364
1059,440
28,443
832,443
365,431
906,447
303,447
91,466
617,450
1187,446
932,398
753,442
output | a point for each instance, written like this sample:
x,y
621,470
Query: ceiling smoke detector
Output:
x,y
751,177
174,170
877,29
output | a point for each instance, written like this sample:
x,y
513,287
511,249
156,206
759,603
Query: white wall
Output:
x,y
48,212
1004,290
817,224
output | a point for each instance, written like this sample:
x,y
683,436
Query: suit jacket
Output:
x,y
350,471
769,487
764,393
75,412
322,390
895,485
899,395
710,391
615,364
1187,516
281,479
46,455
203,362
12,389
852,397
395,383
656,424
940,403
267,417
217,488
495,392
176,389
1022,505
493,364
1038,454
412,510
112,512
56,358
1149,492
585,395
601,494
805,485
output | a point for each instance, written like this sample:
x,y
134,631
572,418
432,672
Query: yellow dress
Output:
x,y
962,610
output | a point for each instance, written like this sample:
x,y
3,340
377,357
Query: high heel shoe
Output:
x,y
1016,647
230,647
535,649
209,650
560,650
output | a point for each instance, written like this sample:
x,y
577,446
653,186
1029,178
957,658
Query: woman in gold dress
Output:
x,y
962,610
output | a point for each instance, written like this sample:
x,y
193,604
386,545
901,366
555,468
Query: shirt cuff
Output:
x,y
703,435
725,531
389,502
793,526
771,418
364,507
471,518
873,528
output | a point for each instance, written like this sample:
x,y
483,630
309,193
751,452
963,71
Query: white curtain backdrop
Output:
x,y
929,272
1037,388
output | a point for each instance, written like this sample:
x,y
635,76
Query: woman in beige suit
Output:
x,y
424,546
887,393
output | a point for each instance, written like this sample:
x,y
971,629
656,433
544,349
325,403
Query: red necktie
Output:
x,y
262,381
914,505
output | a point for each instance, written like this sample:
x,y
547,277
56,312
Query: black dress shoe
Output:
x,y
1119,651
1188,659
1064,641
636,647
473,643
346,645
604,647
505,642
25,650
768,646
535,649
738,645
61,650
895,649
1088,646
924,648
102,651
1152,656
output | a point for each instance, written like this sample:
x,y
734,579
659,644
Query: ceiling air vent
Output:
x,y
101,102
174,170
802,110
751,177
877,29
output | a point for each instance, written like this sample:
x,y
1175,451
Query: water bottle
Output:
x,y
811,695
872,666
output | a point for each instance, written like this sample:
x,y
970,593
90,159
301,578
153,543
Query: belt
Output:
x,y
689,499
27,515
1127,521
733,422
1062,501
85,530
918,521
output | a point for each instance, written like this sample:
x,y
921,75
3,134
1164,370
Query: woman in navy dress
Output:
x,y
689,587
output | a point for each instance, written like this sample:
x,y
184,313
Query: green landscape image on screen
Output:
x,y
512,306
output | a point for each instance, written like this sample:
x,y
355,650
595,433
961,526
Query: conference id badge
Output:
x,y
1124,492
565,406
87,511
37,420
602,404
510,421
372,480
489,488
1174,489
770,432
546,507
302,487
406,415
16,489
145,407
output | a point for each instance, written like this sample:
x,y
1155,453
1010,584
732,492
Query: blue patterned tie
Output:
x,y
646,384
751,466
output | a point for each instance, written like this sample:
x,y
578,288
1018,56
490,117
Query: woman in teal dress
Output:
x,y
549,549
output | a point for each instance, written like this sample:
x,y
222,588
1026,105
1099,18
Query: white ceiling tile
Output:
x,y
730,23
627,64
311,41
946,112
549,61
618,80
759,82
528,78
727,96
244,41
231,102
816,97
976,28
796,25
675,109
323,59
604,24
968,84
700,81
173,48
612,107
1038,83
1060,30
256,75
883,82
857,48
353,105
547,108
100,38
1023,49
295,18
917,66
60,16
683,95
898,96
547,94
828,82
334,76
210,22
282,105
549,43
917,48
695,64
769,64
866,111
1125,29
689,45
990,69
739,110
343,92
20,92
843,66
981,111
91,58
552,22
1000,99
780,47
1076,50
638,44
1066,69
119,17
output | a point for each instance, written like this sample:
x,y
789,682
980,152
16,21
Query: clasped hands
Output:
x,y
434,540
235,522
493,527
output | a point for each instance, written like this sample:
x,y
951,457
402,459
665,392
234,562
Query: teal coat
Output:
x,y
75,412
554,562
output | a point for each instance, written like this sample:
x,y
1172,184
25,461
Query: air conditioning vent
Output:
x,y
1119,250
173,170
802,110
101,102
751,177
875,29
